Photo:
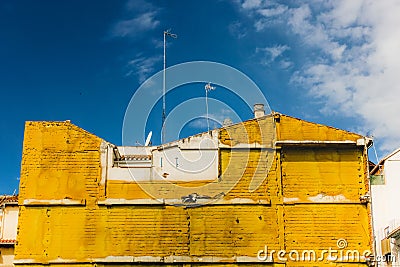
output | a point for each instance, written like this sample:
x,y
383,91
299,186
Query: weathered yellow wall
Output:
x,y
309,198
6,255
329,174
59,161
289,128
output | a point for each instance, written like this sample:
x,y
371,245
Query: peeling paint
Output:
x,y
290,199
326,198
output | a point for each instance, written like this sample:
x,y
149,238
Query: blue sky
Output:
x,y
331,62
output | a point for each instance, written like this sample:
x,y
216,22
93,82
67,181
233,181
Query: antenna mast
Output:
x,y
167,32
208,87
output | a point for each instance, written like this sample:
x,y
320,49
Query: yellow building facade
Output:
x,y
277,191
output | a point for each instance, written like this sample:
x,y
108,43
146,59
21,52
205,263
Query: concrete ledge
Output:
x,y
241,201
313,143
246,146
54,202
121,201
149,259
178,202
24,261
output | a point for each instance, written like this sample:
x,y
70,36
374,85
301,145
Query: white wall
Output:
x,y
9,222
8,231
190,159
385,203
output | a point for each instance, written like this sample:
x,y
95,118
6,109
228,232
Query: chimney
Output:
x,y
259,111
227,122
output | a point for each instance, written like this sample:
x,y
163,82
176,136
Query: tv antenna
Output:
x,y
208,88
166,33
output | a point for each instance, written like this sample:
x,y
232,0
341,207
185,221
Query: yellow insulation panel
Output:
x,y
327,226
323,174
59,161
255,131
247,172
228,231
295,129
81,234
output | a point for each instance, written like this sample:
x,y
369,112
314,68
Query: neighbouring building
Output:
x,y
8,229
235,195
385,185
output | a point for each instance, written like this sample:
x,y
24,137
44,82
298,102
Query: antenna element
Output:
x,y
166,33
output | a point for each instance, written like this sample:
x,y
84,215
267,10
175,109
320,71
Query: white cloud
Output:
x,y
261,24
251,4
136,26
354,61
201,123
139,16
264,12
274,51
237,29
362,79
270,12
157,43
215,119
274,54
142,67
285,64
345,13
313,32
